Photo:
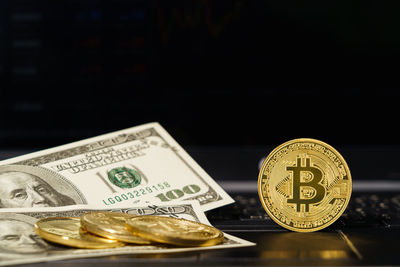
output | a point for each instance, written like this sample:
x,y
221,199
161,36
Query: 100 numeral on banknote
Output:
x,y
143,164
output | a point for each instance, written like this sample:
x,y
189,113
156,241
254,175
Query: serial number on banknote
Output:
x,y
172,194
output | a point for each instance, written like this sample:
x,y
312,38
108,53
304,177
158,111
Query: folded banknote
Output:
x,y
135,166
20,244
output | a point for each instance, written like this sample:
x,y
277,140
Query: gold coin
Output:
x,y
174,231
67,231
111,225
304,185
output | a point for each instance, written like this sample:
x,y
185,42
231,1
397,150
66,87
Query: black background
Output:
x,y
218,73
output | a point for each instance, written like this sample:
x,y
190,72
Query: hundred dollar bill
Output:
x,y
19,244
139,165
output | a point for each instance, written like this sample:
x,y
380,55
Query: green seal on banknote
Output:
x,y
124,177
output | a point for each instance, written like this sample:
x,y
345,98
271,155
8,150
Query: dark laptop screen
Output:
x,y
212,72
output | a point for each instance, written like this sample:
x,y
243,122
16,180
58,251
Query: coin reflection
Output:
x,y
317,245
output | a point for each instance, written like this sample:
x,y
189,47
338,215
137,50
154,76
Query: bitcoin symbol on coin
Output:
x,y
316,175
304,185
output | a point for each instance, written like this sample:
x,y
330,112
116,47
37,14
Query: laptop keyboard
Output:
x,y
364,210
372,210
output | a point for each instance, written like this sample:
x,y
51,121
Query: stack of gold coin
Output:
x,y
68,231
114,229
174,231
111,225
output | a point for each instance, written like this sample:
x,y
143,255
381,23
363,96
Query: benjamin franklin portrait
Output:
x,y
26,186
18,238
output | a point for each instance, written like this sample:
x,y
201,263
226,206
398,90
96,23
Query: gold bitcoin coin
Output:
x,y
67,231
174,231
110,225
304,185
